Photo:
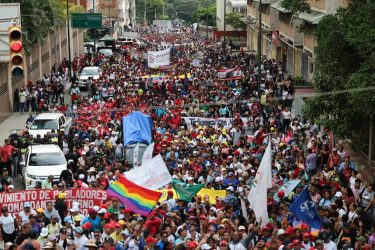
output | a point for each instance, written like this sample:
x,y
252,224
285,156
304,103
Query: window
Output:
x,y
311,67
46,159
44,124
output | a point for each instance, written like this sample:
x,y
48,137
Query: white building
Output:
x,y
127,13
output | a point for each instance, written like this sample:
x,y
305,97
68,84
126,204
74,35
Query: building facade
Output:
x,y
224,7
288,38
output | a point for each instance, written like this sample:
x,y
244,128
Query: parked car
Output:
x,y
45,122
40,162
87,72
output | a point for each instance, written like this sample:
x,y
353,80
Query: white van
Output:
x,y
40,162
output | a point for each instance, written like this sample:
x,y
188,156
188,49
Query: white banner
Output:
x,y
152,175
226,122
229,74
159,58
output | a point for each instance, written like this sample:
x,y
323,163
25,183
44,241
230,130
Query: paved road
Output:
x,y
17,122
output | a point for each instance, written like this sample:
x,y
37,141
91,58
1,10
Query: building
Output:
x,y
127,13
288,38
230,6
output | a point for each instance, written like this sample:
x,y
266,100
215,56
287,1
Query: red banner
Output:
x,y
87,198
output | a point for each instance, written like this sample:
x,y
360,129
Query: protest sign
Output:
x,y
229,74
38,198
159,58
226,122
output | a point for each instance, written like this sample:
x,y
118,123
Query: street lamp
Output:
x,y
69,53
259,47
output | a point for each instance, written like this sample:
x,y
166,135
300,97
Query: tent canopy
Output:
x,y
137,127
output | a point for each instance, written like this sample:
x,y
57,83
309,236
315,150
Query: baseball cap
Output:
x,y
230,188
44,232
241,228
40,210
280,231
78,230
27,204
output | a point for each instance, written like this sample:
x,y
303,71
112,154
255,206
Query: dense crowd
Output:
x,y
221,157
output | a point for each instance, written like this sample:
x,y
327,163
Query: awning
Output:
x,y
313,17
264,1
239,4
279,7
106,38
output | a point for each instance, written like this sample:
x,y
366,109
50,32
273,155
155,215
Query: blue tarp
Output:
x,y
137,127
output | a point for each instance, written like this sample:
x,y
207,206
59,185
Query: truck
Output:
x,y
46,122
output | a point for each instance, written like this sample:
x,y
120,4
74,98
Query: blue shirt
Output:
x,y
94,222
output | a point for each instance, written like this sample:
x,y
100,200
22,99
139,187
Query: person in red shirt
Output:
x,y
6,157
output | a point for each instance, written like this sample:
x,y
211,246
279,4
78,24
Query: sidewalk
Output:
x,y
16,121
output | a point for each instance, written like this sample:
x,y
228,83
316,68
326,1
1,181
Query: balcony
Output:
x,y
289,28
319,5
309,40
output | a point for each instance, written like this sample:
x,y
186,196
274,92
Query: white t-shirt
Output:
x,y
24,217
7,223
330,246
287,115
80,242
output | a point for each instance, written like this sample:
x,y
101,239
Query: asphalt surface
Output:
x,y
17,122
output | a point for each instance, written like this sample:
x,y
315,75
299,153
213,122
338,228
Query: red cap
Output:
x,y
127,210
202,217
170,192
87,225
280,194
118,225
107,216
295,242
290,230
192,244
304,235
149,240
212,221
91,211
223,242
304,226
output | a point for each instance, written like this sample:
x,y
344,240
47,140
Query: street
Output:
x,y
226,125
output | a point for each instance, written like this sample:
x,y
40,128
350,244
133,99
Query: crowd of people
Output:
x,y
221,157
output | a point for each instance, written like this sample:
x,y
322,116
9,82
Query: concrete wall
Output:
x,y
38,62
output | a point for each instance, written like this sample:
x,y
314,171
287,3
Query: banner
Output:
x,y
38,198
152,175
226,122
159,58
211,193
287,187
229,74
197,63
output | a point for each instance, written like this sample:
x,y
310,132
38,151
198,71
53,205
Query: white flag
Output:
x,y
135,156
152,175
258,193
147,155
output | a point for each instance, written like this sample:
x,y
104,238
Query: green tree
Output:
x,y
234,19
296,6
345,60
37,19
206,16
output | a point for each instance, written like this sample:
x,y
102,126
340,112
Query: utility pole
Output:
x,y
225,13
94,30
145,12
207,2
163,9
260,46
69,52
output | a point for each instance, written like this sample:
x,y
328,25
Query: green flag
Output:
x,y
185,191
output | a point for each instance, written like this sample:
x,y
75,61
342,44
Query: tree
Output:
x,y
296,6
234,19
345,69
38,17
206,16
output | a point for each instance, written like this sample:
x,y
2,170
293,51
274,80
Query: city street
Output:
x,y
210,125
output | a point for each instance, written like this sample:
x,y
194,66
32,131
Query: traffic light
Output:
x,y
16,50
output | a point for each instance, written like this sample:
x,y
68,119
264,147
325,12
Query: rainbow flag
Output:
x,y
136,198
